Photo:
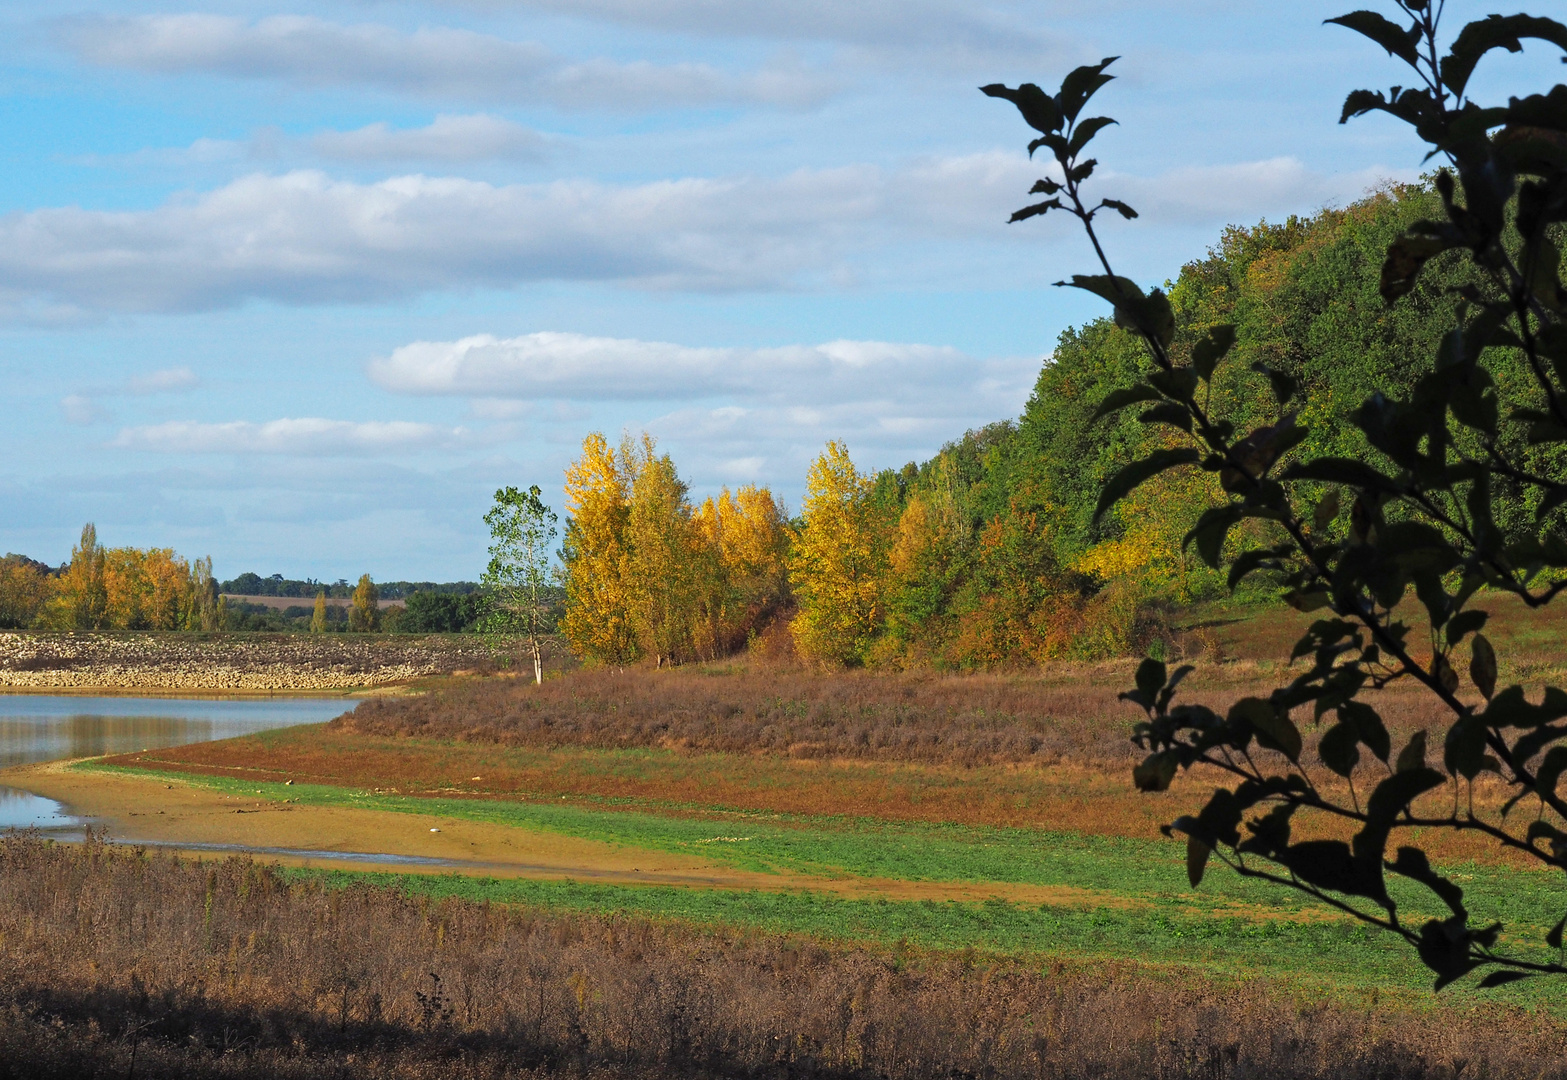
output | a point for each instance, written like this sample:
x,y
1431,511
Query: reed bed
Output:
x,y
122,963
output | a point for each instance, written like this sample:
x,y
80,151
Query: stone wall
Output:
x,y
156,661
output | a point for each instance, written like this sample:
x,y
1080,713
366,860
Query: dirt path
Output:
x,y
151,809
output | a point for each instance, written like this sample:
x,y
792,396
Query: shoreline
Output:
x,y
205,693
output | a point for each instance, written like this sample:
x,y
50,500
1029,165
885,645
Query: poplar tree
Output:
x,y
516,582
597,620
838,562
364,615
318,617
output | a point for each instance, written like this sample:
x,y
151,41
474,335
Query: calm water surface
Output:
x,y
38,727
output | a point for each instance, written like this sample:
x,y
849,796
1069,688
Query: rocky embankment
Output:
x,y
256,662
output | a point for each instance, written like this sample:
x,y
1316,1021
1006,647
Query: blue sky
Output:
x,y
299,285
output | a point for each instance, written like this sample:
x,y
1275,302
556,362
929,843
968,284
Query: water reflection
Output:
x,y
24,810
48,728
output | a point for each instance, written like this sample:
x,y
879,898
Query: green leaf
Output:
x,y
1274,730
1197,854
1127,480
1482,664
1404,44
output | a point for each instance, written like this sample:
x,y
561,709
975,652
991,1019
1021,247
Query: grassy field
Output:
x,y
988,818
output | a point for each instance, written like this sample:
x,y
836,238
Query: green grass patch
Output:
x,y
1230,922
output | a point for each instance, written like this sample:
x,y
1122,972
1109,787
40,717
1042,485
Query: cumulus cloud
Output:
x,y
738,412
164,381
955,32
477,137
439,62
303,237
303,436
578,367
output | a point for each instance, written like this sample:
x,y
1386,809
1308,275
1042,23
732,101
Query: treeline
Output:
x,y
101,588
988,554
252,584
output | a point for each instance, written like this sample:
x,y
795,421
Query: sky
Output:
x,y
299,285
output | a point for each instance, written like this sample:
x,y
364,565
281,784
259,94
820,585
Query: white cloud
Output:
x,y
742,413
436,62
304,237
167,380
478,137
578,367
80,409
303,436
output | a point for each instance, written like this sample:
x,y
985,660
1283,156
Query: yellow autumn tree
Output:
x,y
838,562
663,555
743,578
80,599
364,612
597,622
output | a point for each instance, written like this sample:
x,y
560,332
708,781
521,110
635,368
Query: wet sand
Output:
x,y
150,809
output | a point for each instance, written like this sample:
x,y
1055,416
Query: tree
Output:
x,y
1424,511
662,555
364,613
838,561
81,597
522,528
597,621
318,616
24,589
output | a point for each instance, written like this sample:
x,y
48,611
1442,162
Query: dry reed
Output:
x,y
121,963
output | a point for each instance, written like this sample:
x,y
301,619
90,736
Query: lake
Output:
x,y
43,727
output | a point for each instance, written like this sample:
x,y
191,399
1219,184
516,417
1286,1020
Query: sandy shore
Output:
x,y
152,809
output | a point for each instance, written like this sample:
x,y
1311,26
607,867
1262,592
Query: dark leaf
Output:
x,y
1465,623
1554,937
1154,773
1494,32
1274,730
1398,41
1119,207
1116,400
1482,665
1081,84
1412,863
1406,257
1502,978
1150,677
1039,110
1084,132
1124,482
1210,531
1211,348
1197,854
1413,755
1339,750
1168,412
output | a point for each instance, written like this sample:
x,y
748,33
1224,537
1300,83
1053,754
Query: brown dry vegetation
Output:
x,y
227,970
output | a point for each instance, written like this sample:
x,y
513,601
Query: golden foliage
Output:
x,y
130,588
838,562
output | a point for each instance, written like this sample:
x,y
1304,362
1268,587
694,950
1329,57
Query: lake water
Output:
x,y
41,727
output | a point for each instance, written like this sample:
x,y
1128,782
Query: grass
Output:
x,y
1229,924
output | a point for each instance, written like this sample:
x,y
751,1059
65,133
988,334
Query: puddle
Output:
x,y
24,810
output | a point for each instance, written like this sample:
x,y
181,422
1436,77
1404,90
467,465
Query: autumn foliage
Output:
x,y
101,588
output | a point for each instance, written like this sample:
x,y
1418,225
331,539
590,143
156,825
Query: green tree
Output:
x,y
364,613
318,616
516,582
1419,516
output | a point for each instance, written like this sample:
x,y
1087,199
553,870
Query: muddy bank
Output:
x,y
244,662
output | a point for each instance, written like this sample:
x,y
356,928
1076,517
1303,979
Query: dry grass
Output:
x,y
226,970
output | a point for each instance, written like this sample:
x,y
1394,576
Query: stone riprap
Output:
x,y
228,661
